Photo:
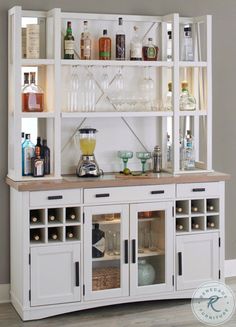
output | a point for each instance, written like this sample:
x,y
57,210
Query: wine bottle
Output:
x,y
85,43
51,215
46,156
69,234
120,41
53,235
194,209
105,47
195,226
69,43
70,214
179,227
210,224
98,242
35,237
179,209
33,219
210,207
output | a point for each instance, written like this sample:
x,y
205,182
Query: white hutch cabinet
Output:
x,y
147,255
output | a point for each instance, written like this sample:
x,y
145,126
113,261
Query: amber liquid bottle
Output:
x,y
104,47
32,97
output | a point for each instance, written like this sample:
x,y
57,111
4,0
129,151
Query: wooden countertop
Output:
x,y
111,180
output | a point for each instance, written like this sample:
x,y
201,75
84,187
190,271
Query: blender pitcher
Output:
x,y
87,166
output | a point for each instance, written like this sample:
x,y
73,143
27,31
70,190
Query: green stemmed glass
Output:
x,y
143,156
125,156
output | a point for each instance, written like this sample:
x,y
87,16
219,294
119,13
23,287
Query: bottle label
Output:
x,y
136,51
69,47
151,53
120,46
87,48
105,54
28,154
39,169
32,41
100,245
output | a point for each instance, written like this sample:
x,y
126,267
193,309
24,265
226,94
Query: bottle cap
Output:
x,y
120,21
184,84
22,134
32,77
85,22
150,39
39,139
68,24
104,32
27,136
44,142
26,78
170,86
135,28
169,35
157,148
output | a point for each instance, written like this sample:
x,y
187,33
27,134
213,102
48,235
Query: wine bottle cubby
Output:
x,y
182,208
55,216
37,217
72,215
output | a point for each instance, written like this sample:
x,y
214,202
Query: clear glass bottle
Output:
x,y
168,100
189,155
187,101
169,46
69,43
105,47
85,43
187,53
136,46
120,41
32,96
150,51
27,154
26,80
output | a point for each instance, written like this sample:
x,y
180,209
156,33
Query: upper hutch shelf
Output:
x,y
56,76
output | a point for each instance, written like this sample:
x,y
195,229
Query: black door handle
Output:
x,y
102,195
126,251
77,273
180,270
55,197
199,189
133,251
158,192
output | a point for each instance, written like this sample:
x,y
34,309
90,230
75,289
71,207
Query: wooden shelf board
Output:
x,y
103,114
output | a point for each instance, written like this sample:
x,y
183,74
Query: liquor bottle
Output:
x,y
32,96
179,227
210,207
194,209
69,43
33,219
169,46
189,156
22,137
45,154
37,163
98,242
32,41
168,151
70,214
150,51
85,43
168,100
52,235
179,209
38,144
136,46
187,102
26,80
187,53
195,225
105,47
27,154
157,159
120,41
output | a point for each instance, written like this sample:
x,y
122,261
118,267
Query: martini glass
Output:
x,y
143,156
125,156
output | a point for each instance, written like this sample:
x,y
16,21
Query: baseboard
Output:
x,y
230,268
4,293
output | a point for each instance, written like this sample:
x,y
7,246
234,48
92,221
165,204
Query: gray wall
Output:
x,y
224,110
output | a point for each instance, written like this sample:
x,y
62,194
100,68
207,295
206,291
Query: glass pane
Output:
x,y
106,251
151,247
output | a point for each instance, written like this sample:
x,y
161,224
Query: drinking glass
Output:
x,y
140,237
89,93
116,243
109,242
143,156
125,156
147,87
153,245
73,92
105,79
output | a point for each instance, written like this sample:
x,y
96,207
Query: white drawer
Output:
x,y
129,193
55,198
194,190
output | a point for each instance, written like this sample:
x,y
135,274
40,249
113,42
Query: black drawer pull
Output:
x,y
126,251
77,274
199,189
158,192
55,197
102,195
180,263
133,251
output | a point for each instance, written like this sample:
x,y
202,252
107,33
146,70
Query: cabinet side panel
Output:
x,y
19,238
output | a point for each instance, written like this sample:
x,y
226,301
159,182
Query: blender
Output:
x,y
87,165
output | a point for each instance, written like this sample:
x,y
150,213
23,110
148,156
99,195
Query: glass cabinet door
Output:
x,y
106,257
151,235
